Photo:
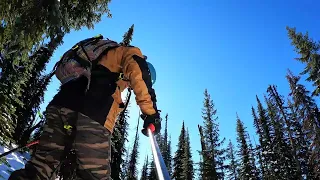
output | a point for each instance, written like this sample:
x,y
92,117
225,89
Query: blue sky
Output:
x,y
235,49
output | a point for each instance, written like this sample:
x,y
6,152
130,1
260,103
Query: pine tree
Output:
x,y
213,159
144,171
133,162
252,158
31,98
204,161
262,124
233,163
166,148
119,136
246,167
278,102
307,115
152,173
188,162
308,49
179,157
24,28
127,37
259,147
286,151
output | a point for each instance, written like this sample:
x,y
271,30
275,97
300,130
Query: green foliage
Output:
x,y
127,37
26,28
119,137
213,154
145,170
132,164
308,51
165,147
179,157
247,167
233,162
306,114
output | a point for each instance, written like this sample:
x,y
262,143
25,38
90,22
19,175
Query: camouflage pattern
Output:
x,y
92,145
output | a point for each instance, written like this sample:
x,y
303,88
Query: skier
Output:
x,y
82,115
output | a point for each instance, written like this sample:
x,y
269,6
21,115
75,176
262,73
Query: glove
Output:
x,y
151,121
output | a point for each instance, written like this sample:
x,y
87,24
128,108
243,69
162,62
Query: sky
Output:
x,y
235,49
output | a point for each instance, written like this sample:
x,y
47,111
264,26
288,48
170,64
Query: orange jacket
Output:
x,y
128,60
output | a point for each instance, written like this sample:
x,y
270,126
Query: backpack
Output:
x,y
82,58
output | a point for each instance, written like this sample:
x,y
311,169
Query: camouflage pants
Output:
x,y
92,146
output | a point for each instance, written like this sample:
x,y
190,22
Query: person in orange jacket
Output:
x,y
91,114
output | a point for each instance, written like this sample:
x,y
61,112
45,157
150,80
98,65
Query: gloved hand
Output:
x,y
151,120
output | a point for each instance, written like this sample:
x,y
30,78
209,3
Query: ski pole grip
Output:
x,y
152,128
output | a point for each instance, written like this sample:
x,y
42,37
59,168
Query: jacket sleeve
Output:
x,y
135,68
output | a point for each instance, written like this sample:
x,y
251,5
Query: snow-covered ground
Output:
x,y
16,161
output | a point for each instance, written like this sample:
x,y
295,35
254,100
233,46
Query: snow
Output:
x,y
16,161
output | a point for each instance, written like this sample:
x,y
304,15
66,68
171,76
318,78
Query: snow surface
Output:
x,y
16,160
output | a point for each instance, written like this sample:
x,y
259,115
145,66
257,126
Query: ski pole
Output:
x,y
12,150
161,168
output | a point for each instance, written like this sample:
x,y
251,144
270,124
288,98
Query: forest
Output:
x,y
287,126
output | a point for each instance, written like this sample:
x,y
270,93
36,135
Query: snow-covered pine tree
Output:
x,y
259,149
232,171
264,131
246,168
309,116
252,158
281,121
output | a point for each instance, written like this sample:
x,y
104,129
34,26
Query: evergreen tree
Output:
x,y
213,167
127,37
133,162
32,97
166,148
259,147
179,157
144,171
233,163
246,168
262,125
308,51
204,161
252,158
24,27
307,113
276,105
188,162
119,136
152,173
